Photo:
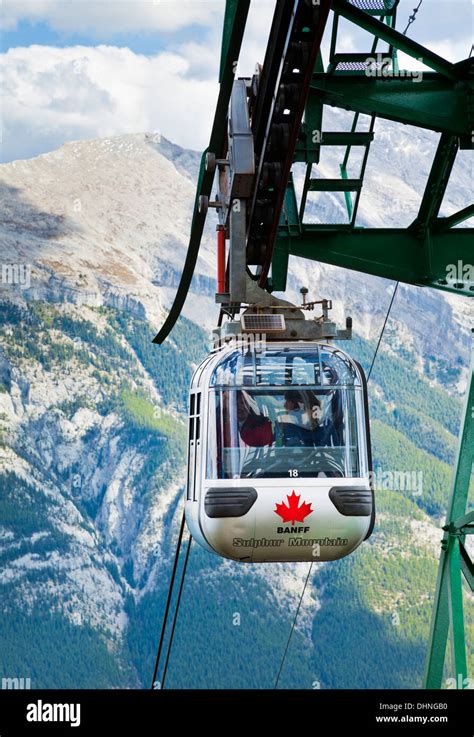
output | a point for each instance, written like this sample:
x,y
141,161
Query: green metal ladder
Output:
x,y
344,64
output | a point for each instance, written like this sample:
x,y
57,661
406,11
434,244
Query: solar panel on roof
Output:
x,y
263,323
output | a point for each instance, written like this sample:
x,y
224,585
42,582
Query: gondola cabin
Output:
x,y
279,453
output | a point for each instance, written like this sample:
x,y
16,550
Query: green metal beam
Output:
x,y
434,103
334,185
310,137
348,192
455,219
436,185
456,611
436,655
393,253
289,220
230,16
280,266
467,566
395,38
448,605
236,16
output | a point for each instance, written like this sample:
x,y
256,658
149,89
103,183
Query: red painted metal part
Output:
x,y
221,260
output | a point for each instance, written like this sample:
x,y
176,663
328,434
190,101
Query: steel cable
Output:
x,y
311,564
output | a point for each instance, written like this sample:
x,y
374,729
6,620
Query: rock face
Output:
x,y
106,223
101,222
93,436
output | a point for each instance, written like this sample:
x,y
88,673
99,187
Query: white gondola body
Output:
x,y
284,502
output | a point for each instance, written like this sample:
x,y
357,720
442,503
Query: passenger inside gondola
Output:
x,y
254,428
275,412
301,421
266,432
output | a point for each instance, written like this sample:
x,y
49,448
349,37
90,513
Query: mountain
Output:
x,y
106,223
93,428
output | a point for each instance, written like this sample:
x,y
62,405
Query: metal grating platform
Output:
x,y
376,7
356,66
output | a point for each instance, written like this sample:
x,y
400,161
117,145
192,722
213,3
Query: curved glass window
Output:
x,y
283,433
308,365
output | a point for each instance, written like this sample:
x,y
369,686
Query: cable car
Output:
x,y
279,460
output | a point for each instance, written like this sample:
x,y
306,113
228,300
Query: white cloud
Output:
x,y
55,95
105,18
52,95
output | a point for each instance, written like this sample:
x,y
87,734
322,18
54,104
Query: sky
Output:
x,y
79,69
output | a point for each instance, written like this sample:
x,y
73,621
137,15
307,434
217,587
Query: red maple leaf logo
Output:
x,y
293,511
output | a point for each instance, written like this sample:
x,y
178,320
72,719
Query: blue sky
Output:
x,y
28,33
78,69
